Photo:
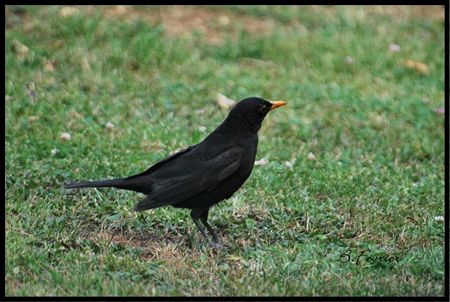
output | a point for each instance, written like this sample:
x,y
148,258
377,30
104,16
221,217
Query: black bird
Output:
x,y
201,175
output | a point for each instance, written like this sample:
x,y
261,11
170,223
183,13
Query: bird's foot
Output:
x,y
217,245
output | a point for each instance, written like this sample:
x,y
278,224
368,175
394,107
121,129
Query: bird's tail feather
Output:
x,y
118,183
146,204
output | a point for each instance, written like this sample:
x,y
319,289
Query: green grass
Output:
x,y
377,182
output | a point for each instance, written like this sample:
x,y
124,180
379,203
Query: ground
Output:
x,y
348,198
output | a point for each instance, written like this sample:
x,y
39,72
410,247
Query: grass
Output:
x,y
376,184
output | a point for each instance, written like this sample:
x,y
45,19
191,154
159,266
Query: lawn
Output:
x,y
350,198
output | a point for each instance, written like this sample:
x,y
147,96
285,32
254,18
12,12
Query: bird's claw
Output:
x,y
217,245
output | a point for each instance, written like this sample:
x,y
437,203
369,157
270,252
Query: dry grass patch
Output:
x,y
215,26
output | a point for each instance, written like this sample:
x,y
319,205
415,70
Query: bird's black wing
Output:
x,y
164,161
193,176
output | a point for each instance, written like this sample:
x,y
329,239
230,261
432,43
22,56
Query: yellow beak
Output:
x,y
277,104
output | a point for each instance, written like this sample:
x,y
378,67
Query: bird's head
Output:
x,y
250,112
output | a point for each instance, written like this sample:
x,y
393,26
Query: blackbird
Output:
x,y
201,175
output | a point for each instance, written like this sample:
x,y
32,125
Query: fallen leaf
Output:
x,y
440,110
261,162
224,20
54,151
288,164
109,126
439,218
349,60
418,66
394,47
65,136
67,11
33,118
225,102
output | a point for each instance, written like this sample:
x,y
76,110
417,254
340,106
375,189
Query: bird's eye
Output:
x,y
263,108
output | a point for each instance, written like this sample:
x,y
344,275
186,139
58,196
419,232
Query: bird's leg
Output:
x,y
200,227
204,218
211,231
217,242
200,214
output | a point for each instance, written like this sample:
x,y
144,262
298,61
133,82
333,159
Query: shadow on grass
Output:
x,y
157,242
